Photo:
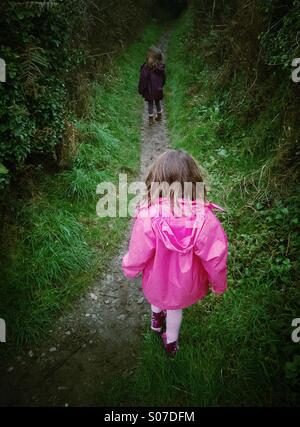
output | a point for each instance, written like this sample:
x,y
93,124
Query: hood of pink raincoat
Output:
x,y
175,237
179,233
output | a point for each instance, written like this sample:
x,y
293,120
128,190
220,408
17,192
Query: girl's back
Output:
x,y
151,82
177,243
152,77
179,256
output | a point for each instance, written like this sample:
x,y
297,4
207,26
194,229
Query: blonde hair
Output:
x,y
175,166
154,57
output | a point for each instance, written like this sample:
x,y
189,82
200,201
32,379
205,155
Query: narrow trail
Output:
x,y
99,339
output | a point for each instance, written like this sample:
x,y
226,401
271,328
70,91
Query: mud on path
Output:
x,y
99,339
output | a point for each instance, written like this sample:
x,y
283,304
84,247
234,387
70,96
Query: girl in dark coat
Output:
x,y
152,81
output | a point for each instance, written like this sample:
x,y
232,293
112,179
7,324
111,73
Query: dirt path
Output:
x,y
98,339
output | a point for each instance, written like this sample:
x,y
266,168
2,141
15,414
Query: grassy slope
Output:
x,y
55,245
237,350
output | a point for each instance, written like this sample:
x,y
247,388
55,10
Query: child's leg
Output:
x,y
159,111
150,108
174,318
158,106
151,112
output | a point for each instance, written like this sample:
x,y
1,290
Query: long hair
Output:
x,y
154,57
176,167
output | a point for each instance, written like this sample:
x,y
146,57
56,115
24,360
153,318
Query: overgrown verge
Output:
x,y
53,245
237,350
52,50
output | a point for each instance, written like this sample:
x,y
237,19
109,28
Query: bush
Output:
x,y
45,68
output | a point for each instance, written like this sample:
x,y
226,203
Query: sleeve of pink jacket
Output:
x,y
141,247
212,249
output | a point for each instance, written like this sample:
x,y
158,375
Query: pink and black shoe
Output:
x,y
158,321
171,347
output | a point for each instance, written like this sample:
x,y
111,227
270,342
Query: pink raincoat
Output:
x,y
178,256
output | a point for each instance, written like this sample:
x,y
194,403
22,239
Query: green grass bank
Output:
x,y
53,244
236,350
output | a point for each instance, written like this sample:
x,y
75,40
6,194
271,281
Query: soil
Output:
x,y
99,338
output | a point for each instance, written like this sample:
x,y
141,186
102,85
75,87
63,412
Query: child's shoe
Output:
x,y
171,347
151,120
159,116
158,321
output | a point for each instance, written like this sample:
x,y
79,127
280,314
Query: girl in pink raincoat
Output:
x,y
178,245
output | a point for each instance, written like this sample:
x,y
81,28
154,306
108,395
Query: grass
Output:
x,y
236,351
54,245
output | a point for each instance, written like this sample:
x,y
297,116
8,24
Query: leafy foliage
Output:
x,y
53,245
48,47
236,350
